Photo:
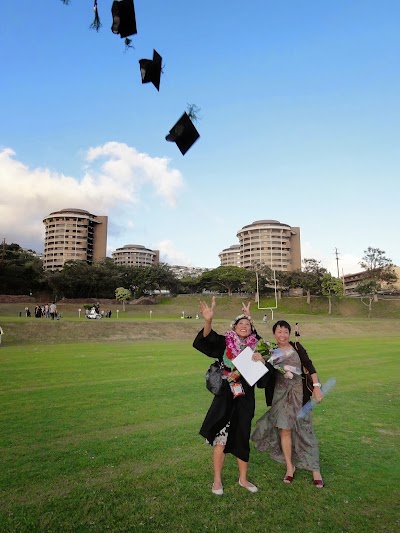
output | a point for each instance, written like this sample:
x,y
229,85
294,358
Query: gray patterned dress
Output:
x,y
286,403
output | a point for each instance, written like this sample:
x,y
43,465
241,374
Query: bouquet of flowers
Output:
x,y
276,357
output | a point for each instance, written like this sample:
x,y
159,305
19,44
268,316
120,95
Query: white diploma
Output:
x,y
251,370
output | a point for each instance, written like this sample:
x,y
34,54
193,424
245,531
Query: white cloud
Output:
x,y
115,175
131,169
169,254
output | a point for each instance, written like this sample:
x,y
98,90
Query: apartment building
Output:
x,y
271,243
136,255
73,234
230,256
351,281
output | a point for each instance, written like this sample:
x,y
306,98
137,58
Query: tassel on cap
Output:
x,y
96,24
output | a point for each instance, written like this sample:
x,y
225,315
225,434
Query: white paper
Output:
x,y
251,370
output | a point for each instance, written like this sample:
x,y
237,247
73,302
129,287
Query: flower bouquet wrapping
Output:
x,y
326,387
277,357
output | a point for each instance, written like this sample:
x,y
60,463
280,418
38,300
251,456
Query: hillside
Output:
x,y
349,319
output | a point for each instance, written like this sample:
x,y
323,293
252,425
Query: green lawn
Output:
x,y
104,437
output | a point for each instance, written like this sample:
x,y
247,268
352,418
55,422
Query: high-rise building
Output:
x,y
136,255
230,256
73,234
271,243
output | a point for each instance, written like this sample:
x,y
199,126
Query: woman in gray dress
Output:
x,y
290,440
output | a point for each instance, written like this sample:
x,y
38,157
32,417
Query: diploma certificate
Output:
x,y
251,370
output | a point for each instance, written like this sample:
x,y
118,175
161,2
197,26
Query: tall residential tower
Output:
x,y
73,234
271,243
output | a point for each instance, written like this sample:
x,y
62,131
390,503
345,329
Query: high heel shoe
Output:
x,y
289,479
218,492
251,488
318,483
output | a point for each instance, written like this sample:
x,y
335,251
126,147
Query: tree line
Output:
x,y
21,272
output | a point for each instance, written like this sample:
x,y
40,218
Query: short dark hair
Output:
x,y
282,324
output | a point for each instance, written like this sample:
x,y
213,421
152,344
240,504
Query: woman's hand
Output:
x,y
317,394
207,312
258,357
246,308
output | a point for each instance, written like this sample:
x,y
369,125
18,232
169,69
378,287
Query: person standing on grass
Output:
x,y
1,334
227,424
53,310
290,440
296,330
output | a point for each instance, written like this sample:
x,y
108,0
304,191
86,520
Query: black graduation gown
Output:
x,y
224,407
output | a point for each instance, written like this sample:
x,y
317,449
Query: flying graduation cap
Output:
x,y
124,20
150,70
184,134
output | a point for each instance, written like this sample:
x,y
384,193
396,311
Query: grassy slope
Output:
x,y
166,324
228,307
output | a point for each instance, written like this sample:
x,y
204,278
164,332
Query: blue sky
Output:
x,y
299,123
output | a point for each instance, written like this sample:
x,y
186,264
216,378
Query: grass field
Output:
x,y
99,435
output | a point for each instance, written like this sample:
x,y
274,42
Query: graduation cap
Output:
x,y
184,134
124,20
150,70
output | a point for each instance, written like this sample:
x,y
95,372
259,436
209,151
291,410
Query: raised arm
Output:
x,y
246,308
208,314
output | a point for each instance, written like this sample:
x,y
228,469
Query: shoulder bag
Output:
x,y
214,380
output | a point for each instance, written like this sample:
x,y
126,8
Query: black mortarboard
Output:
x,y
124,20
184,134
150,70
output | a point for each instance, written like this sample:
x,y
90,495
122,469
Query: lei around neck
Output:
x,y
234,345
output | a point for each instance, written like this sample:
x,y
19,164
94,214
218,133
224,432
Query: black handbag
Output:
x,y
214,380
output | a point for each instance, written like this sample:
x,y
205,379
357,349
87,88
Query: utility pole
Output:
x,y
337,262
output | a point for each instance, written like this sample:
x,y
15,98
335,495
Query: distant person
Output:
x,y
53,310
296,330
1,334
109,313
265,319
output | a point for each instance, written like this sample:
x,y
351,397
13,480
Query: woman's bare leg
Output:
x,y
218,463
286,443
242,465
243,481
